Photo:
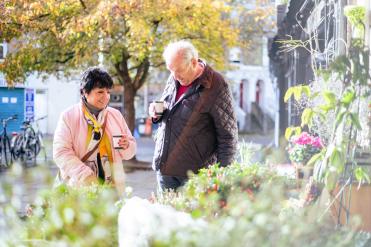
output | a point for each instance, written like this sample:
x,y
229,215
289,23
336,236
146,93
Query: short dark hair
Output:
x,y
95,77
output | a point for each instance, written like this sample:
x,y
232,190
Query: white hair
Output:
x,y
183,48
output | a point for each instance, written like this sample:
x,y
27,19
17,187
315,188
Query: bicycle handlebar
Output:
x,y
15,116
41,118
28,122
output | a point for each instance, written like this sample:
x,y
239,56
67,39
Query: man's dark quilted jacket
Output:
x,y
197,130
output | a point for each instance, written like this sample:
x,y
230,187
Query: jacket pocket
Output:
x,y
188,110
186,113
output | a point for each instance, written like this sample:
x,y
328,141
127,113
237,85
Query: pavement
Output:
x,y
139,175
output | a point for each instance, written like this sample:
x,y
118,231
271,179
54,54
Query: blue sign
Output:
x,y
29,104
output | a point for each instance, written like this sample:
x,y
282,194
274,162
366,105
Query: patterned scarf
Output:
x,y
95,130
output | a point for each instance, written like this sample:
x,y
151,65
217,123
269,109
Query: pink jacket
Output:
x,y
69,145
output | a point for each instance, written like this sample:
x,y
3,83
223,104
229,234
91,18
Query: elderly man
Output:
x,y
198,127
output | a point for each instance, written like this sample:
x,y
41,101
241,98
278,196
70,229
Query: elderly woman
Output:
x,y
83,146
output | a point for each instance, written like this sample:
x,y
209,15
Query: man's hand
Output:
x,y
152,111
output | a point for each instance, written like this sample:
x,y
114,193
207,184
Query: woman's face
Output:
x,y
98,97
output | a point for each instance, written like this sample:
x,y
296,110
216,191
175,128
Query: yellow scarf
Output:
x,y
104,147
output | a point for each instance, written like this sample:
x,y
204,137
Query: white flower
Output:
x,y
141,221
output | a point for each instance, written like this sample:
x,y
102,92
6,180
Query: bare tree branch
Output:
x,y
123,71
158,65
69,57
83,4
141,75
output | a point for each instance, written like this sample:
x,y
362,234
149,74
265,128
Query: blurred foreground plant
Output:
x,y
70,217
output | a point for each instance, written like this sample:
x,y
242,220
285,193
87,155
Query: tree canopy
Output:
x,y
125,36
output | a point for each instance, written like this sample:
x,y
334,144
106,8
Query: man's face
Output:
x,y
98,97
181,71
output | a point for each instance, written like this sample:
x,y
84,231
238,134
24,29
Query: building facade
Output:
x,y
252,86
310,34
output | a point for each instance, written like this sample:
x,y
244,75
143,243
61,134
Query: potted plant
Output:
x,y
341,102
301,149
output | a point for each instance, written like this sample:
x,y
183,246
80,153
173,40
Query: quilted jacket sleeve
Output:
x,y
65,157
226,125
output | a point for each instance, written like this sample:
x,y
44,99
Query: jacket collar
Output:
x,y
205,79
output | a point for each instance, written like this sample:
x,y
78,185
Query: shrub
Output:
x,y
70,217
264,221
206,193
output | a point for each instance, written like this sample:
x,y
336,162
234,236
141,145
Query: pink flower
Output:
x,y
303,139
317,142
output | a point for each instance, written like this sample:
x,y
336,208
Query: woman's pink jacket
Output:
x,y
69,145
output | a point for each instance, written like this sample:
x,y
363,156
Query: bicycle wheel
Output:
x,y
1,155
6,154
29,155
37,147
16,146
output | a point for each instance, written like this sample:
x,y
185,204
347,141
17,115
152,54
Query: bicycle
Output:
x,y
5,148
28,144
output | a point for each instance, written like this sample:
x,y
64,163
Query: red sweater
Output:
x,y
181,91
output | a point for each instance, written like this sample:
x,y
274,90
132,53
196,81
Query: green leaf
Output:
x,y
290,130
355,120
297,93
306,90
306,117
314,158
297,131
337,160
348,97
340,117
314,95
288,94
330,97
326,108
361,175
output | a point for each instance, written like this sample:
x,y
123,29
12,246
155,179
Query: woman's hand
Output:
x,y
90,180
124,142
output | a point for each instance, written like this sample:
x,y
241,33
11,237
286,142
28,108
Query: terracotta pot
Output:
x,y
359,204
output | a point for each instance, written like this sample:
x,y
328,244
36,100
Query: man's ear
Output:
x,y
194,62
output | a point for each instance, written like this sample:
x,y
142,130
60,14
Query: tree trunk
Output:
x,y
129,109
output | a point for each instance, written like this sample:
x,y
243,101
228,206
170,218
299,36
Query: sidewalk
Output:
x,y
145,149
140,176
